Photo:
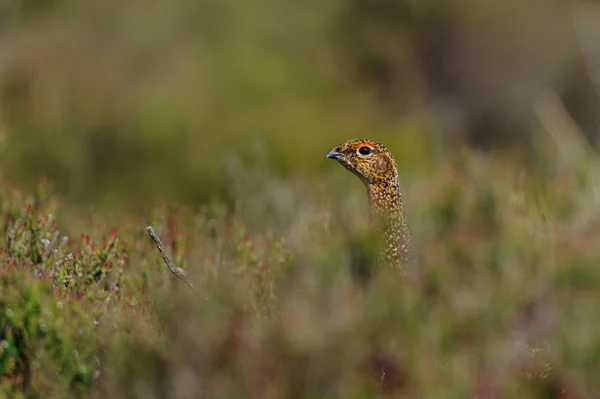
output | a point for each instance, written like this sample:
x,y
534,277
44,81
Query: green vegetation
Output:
x,y
504,299
209,120
106,98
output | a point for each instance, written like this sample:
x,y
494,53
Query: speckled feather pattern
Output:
x,y
379,173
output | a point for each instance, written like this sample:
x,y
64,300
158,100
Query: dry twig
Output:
x,y
178,272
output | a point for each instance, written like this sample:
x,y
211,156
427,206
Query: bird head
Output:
x,y
367,159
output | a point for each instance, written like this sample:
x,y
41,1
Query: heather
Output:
x,y
209,121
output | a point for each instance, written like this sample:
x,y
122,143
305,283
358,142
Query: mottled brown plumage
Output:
x,y
376,168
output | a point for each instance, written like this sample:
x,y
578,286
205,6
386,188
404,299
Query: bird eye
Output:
x,y
364,150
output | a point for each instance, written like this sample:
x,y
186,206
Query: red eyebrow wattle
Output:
x,y
362,144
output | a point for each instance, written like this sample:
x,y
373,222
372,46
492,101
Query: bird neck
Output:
x,y
388,218
385,198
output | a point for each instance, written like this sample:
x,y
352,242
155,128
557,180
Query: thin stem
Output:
x,y
178,272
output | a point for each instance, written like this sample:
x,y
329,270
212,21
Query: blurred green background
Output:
x,y
128,101
492,109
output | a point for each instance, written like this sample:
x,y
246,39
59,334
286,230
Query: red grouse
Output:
x,y
376,168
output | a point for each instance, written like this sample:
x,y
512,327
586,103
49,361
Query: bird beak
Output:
x,y
334,154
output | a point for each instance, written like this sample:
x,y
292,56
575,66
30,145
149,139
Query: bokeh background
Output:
x,y
151,99
210,119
